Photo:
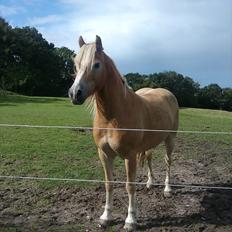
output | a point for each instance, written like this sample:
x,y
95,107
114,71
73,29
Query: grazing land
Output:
x,y
204,159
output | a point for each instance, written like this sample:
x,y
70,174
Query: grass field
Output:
x,y
69,153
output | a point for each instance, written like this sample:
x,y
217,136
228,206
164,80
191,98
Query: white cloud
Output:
x,y
49,19
10,10
153,25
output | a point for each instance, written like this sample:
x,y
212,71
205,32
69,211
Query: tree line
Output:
x,y
31,65
188,92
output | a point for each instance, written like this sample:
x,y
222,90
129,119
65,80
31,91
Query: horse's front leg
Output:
x,y
107,163
130,164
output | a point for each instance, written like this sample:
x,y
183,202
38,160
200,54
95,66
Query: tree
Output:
x,y
184,88
36,54
226,102
6,54
67,66
210,97
32,66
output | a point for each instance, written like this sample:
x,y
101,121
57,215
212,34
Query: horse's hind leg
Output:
x,y
150,173
169,144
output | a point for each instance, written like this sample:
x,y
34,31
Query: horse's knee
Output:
x,y
131,188
109,187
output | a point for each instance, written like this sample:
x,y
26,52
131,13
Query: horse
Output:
x,y
117,106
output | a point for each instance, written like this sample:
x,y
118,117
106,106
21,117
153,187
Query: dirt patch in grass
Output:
x,y
24,207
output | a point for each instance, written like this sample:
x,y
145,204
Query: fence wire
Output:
x,y
116,129
114,182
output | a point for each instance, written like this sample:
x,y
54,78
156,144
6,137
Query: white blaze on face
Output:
x,y
83,62
77,81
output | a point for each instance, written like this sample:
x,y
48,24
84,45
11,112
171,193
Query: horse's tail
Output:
x,y
141,157
145,155
176,117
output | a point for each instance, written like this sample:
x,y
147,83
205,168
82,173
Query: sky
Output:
x,y
191,37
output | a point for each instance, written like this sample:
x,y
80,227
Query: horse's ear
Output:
x,y
81,41
99,47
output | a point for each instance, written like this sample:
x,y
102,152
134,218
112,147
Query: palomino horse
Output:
x,y
117,106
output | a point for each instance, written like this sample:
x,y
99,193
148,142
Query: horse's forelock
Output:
x,y
85,57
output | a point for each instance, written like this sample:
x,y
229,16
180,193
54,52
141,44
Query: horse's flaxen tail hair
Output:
x,y
176,123
141,157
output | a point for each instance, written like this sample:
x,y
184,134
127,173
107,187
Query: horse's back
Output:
x,y
161,103
157,94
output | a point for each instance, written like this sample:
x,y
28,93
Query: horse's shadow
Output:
x,y
216,209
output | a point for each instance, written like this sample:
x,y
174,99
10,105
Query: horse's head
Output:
x,y
89,76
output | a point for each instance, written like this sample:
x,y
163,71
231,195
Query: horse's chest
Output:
x,y
110,142
117,143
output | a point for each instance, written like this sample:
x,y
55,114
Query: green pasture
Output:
x,y
68,153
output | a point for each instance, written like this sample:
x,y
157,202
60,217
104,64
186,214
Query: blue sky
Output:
x,y
192,37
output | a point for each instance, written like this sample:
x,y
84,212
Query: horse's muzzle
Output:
x,y
76,98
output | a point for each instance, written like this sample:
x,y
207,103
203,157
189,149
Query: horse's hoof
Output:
x,y
130,227
149,184
167,194
105,223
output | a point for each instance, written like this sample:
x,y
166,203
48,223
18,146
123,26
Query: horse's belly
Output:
x,y
152,139
129,146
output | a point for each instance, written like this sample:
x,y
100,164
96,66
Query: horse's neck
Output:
x,y
112,99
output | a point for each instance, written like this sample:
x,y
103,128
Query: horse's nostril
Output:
x,y
79,92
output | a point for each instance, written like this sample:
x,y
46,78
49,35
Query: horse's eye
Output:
x,y
97,65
